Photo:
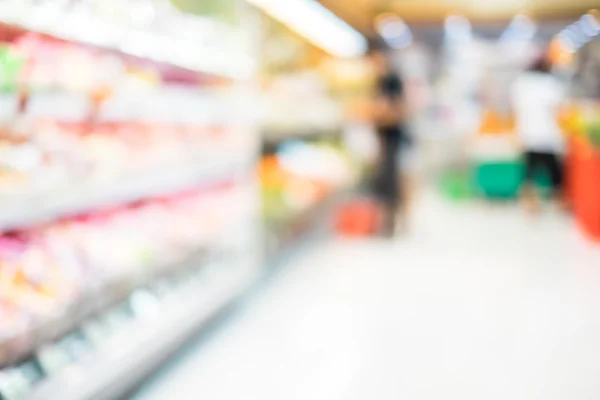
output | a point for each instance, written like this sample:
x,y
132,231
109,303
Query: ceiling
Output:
x,y
360,13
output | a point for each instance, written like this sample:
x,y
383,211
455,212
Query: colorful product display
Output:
x,y
125,158
101,122
121,187
300,175
47,270
496,158
56,153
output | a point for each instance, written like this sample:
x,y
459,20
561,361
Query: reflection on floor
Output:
x,y
478,302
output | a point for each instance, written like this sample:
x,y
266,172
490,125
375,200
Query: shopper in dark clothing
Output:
x,y
389,114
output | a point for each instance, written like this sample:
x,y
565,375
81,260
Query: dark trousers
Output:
x,y
387,180
547,162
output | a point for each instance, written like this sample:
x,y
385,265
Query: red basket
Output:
x,y
584,187
358,218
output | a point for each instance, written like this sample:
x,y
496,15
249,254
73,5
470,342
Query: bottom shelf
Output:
x,y
108,356
128,342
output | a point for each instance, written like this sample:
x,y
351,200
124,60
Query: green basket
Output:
x,y
503,180
456,185
499,179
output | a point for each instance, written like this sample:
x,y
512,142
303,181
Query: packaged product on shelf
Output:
x,y
95,125
300,176
56,126
11,64
48,270
19,160
118,175
54,64
13,315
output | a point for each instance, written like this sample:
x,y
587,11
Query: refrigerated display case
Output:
x,y
129,214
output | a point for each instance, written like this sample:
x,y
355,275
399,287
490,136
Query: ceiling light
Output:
x,y
572,38
458,28
589,25
383,18
566,43
521,28
577,34
580,32
317,24
395,32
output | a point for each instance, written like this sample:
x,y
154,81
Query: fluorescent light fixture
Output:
x,y
317,24
458,28
579,33
395,32
521,29
589,25
574,36
566,43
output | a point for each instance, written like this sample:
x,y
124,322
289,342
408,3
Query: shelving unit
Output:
x,y
88,197
119,325
124,314
167,36
144,341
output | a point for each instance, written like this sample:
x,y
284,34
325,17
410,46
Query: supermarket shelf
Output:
x,y
97,301
23,213
143,344
80,26
273,139
140,346
76,340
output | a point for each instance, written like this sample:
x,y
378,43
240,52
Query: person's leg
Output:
x,y
406,184
400,207
391,190
401,194
529,194
555,169
389,193
390,211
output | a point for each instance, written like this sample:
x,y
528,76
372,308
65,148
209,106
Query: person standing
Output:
x,y
389,114
536,98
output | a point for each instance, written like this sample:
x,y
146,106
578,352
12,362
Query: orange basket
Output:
x,y
358,218
583,186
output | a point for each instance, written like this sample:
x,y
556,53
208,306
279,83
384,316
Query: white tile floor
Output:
x,y
478,303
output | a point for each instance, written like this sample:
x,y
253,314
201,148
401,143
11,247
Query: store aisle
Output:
x,y
477,303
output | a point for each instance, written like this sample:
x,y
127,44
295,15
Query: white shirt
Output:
x,y
536,97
